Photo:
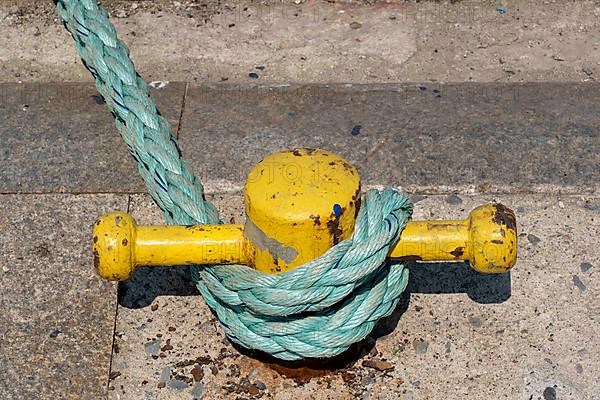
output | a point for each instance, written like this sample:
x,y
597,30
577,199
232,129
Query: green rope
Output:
x,y
316,310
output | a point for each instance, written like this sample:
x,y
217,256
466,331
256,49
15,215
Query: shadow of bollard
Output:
x,y
442,278
437,278
427,278
151,282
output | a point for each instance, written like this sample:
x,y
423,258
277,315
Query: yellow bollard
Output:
x,y
299,203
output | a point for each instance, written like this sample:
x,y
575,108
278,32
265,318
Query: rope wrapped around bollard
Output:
x,y
316,310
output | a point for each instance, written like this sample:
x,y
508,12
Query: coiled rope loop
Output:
x,y
316,310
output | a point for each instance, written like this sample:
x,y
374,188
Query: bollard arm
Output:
x,y
487,238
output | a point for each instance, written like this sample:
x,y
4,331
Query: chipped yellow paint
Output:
x,y
487,238
120,245
299,204
114,235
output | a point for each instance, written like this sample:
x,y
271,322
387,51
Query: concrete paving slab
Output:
x,y
319,41
527,335
463,137
62,138
56,316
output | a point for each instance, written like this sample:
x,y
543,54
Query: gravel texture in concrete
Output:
x,y
529,334
56,316
319,41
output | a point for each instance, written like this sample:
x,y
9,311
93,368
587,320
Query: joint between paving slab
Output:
x,y
238,189
444,191
112,345
182,109
114,332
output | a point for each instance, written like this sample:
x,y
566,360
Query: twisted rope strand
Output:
x,y
145,131
316,310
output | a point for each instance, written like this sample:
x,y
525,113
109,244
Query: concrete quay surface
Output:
x,y
456,335
530,334
420,137
319,41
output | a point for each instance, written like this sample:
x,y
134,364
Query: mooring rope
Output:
x,y
316,310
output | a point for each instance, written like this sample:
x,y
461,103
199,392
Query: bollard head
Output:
x,y
299,203
113,240
492,239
